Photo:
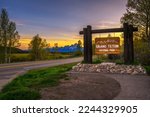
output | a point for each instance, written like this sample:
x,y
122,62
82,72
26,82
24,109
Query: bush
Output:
x,y
119,61
1,58
77,53
113,56
20,57
142,52
97,61
147,69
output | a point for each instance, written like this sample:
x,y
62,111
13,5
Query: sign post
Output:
x,y
110,45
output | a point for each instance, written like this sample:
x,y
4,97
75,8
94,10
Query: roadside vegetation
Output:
x,y
27,86
39,49
23,57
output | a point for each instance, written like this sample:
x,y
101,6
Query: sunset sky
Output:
x,y
59,21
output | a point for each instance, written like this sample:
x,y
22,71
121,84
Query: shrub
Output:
x,y
77,53
147,69
97,61
20,57
142,52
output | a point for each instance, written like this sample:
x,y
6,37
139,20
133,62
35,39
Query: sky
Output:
x,y
59,21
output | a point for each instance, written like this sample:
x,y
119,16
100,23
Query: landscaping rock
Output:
x,y
109,68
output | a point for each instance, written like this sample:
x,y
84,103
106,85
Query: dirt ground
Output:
x,y
83,87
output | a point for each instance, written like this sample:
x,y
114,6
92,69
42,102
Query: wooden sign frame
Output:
x,y
128,41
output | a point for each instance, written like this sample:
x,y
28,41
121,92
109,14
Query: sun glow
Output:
x,y
68,41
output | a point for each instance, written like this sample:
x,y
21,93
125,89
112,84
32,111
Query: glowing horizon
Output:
x,y
64,42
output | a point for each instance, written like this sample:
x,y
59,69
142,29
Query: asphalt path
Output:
x,y
104,86
12,70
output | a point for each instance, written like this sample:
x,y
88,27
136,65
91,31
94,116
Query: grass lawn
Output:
x,y
27,86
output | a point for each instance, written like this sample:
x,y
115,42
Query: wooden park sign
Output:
x,y
109,45
128,41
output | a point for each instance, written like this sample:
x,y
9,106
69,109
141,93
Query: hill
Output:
x,y
14,50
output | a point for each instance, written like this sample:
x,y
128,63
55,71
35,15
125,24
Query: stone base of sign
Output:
x,y
109,68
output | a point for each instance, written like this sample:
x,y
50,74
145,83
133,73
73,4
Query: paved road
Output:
x,y
10,71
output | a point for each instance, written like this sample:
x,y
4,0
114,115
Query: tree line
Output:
x,y
9,36
40,49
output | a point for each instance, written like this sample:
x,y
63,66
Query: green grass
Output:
x,y
27,86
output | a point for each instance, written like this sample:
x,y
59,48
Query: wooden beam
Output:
x,y
109,30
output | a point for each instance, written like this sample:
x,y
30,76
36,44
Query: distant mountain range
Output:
x,y
66,49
